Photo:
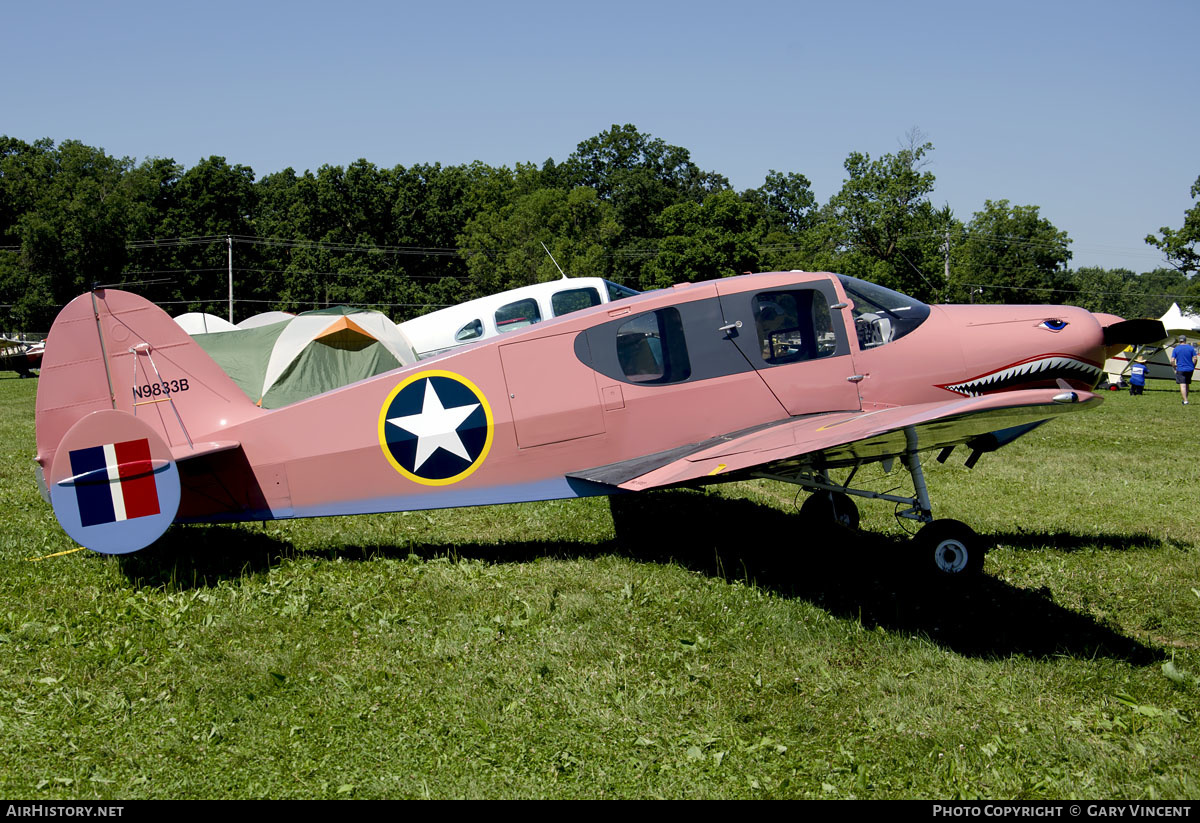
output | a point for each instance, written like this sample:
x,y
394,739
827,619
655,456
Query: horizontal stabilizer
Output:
x,y
113,483
181,453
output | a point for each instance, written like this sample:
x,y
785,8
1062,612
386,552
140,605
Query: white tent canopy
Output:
x,y
267,318
1176,322
195,322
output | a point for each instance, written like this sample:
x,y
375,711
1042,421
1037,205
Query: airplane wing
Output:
x,y
835,439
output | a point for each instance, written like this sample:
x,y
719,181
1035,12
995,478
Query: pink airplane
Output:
x,y
787,376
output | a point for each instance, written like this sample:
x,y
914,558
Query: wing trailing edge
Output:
x,y
845,438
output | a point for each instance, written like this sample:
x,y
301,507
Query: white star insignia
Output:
x,y
436,427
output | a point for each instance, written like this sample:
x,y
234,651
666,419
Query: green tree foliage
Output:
x,y
1122,292
640,176
882,226
365,235
1180,245
787,202
791,218
700,241
1158,289
506,244
204,204
69,209
624,205
1008,254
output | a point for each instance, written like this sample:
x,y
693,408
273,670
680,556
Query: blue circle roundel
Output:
x,y
435,428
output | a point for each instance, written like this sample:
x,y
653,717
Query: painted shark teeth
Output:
x,y
1045,368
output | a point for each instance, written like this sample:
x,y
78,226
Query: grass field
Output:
x,y
708,646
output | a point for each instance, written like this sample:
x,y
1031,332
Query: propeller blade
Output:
x,y
1131,332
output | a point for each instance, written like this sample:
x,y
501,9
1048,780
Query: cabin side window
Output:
x,y
651,348
517,315
470,331
794,326
565,302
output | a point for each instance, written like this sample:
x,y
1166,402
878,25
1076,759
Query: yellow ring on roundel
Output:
x,y
483,403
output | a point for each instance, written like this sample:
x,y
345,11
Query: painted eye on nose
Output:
x,y
1054,324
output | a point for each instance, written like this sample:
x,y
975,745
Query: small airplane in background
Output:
x,y
507,312
786,375
1156,354
20,355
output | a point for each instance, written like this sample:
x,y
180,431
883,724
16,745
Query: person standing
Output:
x,y
1183,358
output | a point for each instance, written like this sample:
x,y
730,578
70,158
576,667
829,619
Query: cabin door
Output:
x,y
795,338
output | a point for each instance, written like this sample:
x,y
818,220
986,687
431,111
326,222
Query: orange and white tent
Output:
x,y
311,353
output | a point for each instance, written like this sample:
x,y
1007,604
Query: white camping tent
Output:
x,y
195,322
309,354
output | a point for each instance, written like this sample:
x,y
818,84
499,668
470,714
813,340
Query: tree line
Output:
x,y
624,205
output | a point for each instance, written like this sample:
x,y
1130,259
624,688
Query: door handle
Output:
x,y
856,378
731,326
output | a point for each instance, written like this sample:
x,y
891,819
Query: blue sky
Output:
x,y
1085,109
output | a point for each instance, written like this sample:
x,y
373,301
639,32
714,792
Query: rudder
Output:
x,y
112,350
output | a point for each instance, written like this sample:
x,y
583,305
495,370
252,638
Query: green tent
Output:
x,y
309,354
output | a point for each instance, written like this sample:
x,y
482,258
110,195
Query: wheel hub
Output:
x,y
950,556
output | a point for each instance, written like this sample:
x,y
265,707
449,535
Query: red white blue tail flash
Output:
x,y
114,482
114,486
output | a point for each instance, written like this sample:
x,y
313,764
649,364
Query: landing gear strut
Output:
x,y
944,549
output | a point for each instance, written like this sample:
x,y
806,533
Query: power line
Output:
x,y
650,251
297,302
318,245
1076,291
298,272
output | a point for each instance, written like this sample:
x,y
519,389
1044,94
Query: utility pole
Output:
x,y
947,254
229,243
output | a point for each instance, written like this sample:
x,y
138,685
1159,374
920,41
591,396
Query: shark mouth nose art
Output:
x,y
1030,374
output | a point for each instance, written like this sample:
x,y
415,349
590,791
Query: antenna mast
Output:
x,y
555,262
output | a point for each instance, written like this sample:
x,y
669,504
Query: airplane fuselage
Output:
x,y
573,394
529,415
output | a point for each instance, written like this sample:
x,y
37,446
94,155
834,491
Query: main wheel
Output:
x,y
950,549
831,507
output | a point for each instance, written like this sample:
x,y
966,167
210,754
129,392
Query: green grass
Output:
x,y
709,646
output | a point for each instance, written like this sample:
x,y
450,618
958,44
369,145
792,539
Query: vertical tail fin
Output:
x,y
110,349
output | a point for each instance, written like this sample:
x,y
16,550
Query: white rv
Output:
x,y
507,311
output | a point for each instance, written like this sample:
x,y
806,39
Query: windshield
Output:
x,y
881,315
618,292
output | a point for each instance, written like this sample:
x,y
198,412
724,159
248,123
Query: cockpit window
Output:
x,y
470,331
881,315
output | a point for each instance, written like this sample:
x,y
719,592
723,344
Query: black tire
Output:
x,y
831,508
950,550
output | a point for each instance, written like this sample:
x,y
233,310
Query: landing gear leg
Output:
x,y
946,549
943,549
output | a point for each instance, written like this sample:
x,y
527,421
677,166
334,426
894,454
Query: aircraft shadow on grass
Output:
x,y
1067,542
192,557
855,575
